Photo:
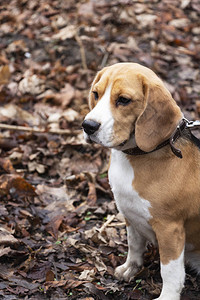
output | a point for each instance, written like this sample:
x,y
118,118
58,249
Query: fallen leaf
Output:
x,y
34,166
5,74
67,32
16,186
53,226
87,275
92,195
7,166
6,238
16,113
50,275
5,272
39,271
4,251
32,85
95,291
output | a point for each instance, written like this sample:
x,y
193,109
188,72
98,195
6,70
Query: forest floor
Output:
x,y
61,236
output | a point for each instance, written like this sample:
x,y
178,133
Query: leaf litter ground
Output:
x,y
61,236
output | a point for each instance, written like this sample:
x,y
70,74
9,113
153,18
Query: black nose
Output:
x,y
90,126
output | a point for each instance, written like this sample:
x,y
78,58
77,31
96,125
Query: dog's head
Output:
x,y
130,106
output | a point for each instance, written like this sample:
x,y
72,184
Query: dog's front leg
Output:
x,y
136,248
171,242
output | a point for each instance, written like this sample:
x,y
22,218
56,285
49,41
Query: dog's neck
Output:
x,y
129,144
131,148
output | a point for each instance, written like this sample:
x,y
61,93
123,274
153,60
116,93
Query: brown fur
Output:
x,y
171,186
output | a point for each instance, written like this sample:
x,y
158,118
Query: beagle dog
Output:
x,y
154,169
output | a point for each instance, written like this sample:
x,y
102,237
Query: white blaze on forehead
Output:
x,y
101,113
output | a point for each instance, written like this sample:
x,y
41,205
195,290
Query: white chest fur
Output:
x,y
129,203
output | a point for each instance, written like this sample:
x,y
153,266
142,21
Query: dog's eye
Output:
x,y
123,101
96,96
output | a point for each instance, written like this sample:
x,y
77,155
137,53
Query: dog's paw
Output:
x,y
126,272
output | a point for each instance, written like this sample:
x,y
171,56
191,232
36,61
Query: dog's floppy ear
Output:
x,y
159,118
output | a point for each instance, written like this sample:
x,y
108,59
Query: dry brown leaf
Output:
x,y
16,186
99,264
7,166
17,46
54,284
95,291
5,272
67,32
53,226
18,114
5,74
87,275
6,237
92,195
70,115
34,166
50,194
32,85
4,251
50,275
146,20
66,95
95,235
179,23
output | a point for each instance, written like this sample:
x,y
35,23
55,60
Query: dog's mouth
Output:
x,y
89,140
128,141
123,143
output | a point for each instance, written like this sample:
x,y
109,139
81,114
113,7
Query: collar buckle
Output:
x,y
193,124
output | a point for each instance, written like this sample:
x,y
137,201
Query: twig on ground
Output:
x,y
103,227
39,130
122,224
82,51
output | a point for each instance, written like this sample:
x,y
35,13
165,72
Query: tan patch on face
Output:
x,y
100,89
126,116
171,185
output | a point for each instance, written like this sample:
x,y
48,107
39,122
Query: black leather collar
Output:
x,y
184,124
